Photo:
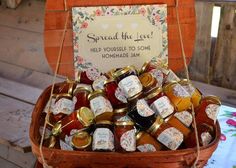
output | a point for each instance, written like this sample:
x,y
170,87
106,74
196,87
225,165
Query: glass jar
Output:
x,y
154,95
81,141
166,134
148,82
208,110
147,67
99,83
79,119
67,87
170,77
185,117
146,143
142,114
80,98
125,136
88,76
100,106
115,94
178,96
103,138
64,104
128,81
195,94
205,136
121,114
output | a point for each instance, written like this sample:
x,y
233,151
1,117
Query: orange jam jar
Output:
x,y
195,94
77,120
185,117
88,76
125,136
208,110
179,97
121,114
80,97
100,106
146,143
81,141
103,137
148,82
128,81
166,134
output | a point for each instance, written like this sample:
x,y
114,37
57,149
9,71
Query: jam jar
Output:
x,y
185,117
88,76
146,143
154,95
100,105
148,82
80,98
99,83
205,136
147,66
171,76
142,114
115,94
195,94
128,81
166,134
103,137
67,87
79,119
81,141
180,98
121,114
125,136
208,110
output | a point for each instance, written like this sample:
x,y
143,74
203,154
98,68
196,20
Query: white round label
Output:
x,y
143,109
185,117
212,111
146,148
128,141
103,139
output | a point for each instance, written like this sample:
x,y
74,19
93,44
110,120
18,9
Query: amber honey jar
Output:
x,y
88,76
100,106
99,83
114,93
125,136
185,117
148,82
128,81
103,137
121,114
195,94
80,98
179,97
81,141
208,110
142,114
79,119
166,134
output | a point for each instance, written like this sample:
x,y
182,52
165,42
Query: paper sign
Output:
x,y
109,37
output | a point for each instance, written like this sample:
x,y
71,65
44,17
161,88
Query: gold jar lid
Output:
x,y
185,82
123,71
106,122
95,94
81,88
144,67
147,80
110,73
56,130
86,116
124,123
154,93
167,86
212,98
121,110
109,81
139,135
63,95
81,140
78,74
52,142
154,127
135,96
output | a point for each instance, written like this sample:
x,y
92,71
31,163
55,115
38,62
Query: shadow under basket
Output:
x,y
163,159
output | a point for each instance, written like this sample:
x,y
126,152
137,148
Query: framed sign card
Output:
x,y
107,37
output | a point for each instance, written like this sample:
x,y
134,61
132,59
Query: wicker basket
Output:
x,y
162,159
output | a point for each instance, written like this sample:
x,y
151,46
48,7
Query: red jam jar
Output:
x,y
154,95
128,81
88,76
125,136
115,94
80,98
77,120
100,105
208,110
148,82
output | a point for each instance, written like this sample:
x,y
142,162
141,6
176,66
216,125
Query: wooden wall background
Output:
x,y
22,57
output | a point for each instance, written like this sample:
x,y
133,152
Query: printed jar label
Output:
x,y
103,139
212,111
143,109
100,105
172,77
64,106
189,88
47,133
52,109
185,117
206,138
179,91
131,85
158,75
124,118
92,73
65,146
171,138
146,148
128,141
163,106
99,83
120,95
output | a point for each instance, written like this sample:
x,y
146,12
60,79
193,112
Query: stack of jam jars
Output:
x,y
129,110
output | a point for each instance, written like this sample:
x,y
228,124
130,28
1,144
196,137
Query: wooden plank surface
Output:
x,y
6,164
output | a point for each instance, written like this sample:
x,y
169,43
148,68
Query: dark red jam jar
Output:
x,y
80,98
88,76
